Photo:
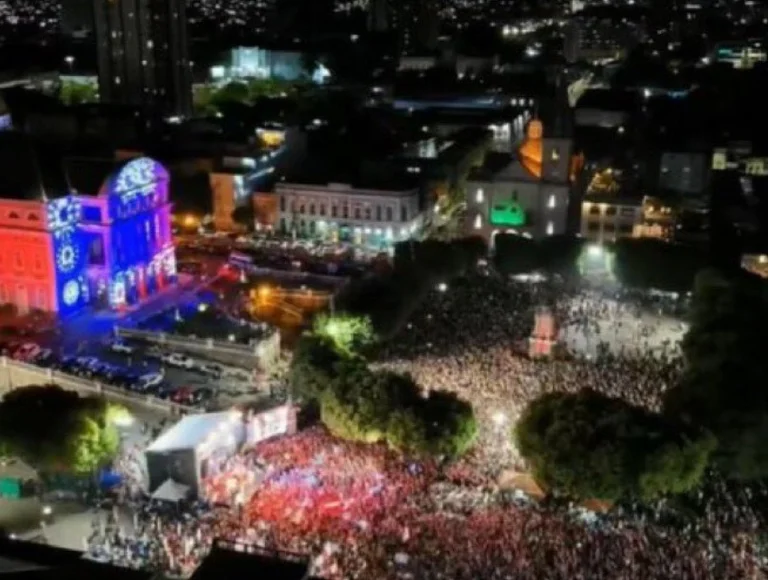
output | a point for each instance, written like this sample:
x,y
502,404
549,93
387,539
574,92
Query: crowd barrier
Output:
x,y
15,374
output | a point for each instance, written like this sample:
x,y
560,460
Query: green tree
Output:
x,y
77,93
313,367
203,99
349,334
57,430
656,264
515,254
233,92
722,388
586,445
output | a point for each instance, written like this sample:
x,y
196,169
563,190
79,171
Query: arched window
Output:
x,y
33,217
13,215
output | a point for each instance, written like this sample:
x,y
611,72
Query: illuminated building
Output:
x,y
368,216
142,54
126,227
61,250
526,193
611,219
42,254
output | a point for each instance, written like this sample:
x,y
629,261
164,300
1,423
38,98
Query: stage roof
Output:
x,y
189,433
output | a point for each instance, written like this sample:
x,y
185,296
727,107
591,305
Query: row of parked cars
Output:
x,y
140,381
183,361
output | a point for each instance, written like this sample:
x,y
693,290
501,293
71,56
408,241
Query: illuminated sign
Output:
x,y
507,213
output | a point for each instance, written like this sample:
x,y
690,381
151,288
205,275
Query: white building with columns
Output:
x,y
335,212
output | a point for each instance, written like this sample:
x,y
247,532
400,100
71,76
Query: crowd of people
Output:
x,y
365,511
472,340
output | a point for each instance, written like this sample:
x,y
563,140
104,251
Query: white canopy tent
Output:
x,y
171,491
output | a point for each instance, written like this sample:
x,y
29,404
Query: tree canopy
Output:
x,y
362,405
637,263
348,333
57,430
722,388
388,299
590,446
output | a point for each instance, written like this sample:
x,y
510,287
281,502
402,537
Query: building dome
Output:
x,y
531,151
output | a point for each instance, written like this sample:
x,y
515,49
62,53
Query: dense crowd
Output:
x,y
361,511
364,511
472,339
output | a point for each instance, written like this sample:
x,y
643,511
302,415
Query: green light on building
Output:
x,y
508,214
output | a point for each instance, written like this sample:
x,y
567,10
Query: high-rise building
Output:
x,y
142,53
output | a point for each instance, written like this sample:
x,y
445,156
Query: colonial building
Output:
x,y
526,193
63,247
342,212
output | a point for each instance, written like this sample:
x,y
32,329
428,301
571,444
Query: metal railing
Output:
x,y
35,375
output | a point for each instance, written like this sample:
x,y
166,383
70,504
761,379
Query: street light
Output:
x,y
442,287
595,251
264,292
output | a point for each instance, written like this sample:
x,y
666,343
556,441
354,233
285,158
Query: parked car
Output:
x,y
211,369
180,360
121,347
151,379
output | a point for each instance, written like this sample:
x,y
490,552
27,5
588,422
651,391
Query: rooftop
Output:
x,y
190,432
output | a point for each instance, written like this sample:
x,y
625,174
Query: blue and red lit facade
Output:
x,y
114,248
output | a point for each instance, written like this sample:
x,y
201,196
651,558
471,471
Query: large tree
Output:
x,y
587,445
57,430
723,387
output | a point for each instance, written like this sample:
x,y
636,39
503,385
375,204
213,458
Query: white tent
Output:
x,y
171,491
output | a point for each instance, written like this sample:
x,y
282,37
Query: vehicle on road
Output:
x,y
151,379
211,369
121,347
179,360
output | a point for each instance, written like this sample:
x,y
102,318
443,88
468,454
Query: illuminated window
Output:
x,y
555,154
403,214
478,221
552,201
334,211
13,215
389,213
479,195
550,228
